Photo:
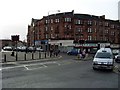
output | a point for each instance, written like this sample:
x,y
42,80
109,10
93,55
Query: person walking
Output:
x,y
80,54
83,53
51,52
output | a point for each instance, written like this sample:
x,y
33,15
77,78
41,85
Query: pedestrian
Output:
x,y
26,50
57,52
80,54
51,52
83,53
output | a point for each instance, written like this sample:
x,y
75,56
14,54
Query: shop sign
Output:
x,y
88,45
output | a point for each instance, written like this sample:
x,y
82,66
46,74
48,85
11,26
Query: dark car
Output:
x,y
117,58
31,49
73,52
39,49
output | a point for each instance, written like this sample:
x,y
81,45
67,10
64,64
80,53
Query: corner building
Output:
x,y
73,26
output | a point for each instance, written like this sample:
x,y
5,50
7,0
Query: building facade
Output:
x,y
72,26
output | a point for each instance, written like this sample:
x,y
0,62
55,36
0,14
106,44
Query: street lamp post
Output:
x,y
48,23
34,36
49,37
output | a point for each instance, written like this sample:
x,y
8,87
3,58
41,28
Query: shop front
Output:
x,y
88,47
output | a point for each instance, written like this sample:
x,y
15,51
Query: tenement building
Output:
x,y
73,26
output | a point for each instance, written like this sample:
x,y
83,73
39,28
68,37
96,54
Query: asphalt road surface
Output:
x,y
64,73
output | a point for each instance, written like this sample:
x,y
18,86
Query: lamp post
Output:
x,y
49,21
34,36
48,24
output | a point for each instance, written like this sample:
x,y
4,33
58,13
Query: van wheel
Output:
x,y
94,68
111,69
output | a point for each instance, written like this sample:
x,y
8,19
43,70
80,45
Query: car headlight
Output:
x,y
95,62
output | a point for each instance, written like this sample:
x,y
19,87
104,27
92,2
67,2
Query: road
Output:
x,y
64,73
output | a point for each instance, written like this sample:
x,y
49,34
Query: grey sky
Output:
x,y
16,14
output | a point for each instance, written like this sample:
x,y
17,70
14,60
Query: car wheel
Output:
x,y
68,54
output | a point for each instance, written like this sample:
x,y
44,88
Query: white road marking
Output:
x,y
26,66
58,64
35,68
45,65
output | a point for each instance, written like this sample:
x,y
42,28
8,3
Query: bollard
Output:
x,y
78,56
50,54
12,54
39,55
45,54
5,58
25,56
32,55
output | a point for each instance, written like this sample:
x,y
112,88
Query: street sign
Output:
x,y
15,37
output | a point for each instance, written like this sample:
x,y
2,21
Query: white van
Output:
x,y
103,59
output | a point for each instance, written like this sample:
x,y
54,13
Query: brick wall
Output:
x,y
74,26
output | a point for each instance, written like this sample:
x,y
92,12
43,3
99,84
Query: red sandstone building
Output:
x,y
72,26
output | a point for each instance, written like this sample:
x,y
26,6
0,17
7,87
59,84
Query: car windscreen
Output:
x,y
103,55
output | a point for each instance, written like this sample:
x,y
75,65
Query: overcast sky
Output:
x,y
15,15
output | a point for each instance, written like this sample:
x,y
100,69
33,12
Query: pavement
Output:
x,y
21,58
31,61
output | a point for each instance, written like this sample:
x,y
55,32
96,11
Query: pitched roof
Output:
x,y
85,16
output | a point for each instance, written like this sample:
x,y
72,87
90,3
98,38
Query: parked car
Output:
x,y
7,48
73,52
20,48
117,58
115,51
30,49
23,48
39,49
103,59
